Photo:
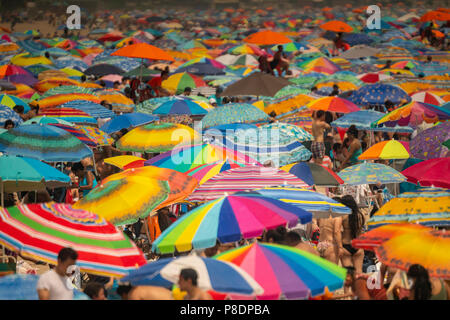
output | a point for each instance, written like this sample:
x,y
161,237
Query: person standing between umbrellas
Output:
x,y
55,284
318,127
354,150
156,84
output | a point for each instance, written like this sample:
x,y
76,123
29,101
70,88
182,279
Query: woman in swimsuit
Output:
x,y
328,247
351,226
354,150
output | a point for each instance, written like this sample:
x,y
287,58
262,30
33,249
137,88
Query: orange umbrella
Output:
x,y
327,9
214,42
443,10
435,15
438,34
144,51
336,26
267,37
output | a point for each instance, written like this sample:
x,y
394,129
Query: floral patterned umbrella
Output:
x,y
429,143
370,173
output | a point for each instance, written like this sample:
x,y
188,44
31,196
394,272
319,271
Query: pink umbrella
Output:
x,y
433,172
89,58
112,78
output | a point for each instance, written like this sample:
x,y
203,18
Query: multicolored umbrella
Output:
x,y
430,173
119,102
205,172
7,113
123,161
378,94
180,106
233,113
320,205
313,174
125,201
362,120
427,206
286,272
375,237
243,179
40,231
391,149
177,82
413,114
289,130
228,219
185,158
156,138
96,135
48,120
12,101
212,274
77,133
427,249
428,98
321,65
428,144
63,98
333,104
43,142
370,173
67,114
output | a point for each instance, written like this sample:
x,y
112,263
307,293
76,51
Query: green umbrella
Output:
x,y
447,144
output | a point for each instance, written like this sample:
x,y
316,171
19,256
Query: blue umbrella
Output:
x,y
93,109
378,93
180,106
362,120
6,113
126,121
201,69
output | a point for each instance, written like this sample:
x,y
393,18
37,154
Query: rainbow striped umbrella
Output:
x,y
43,142
40,231
206,171
333,104
427,206
95,134
177,82
67,114
59,99
321,64
228,219
180,106
119,102
286,272
243,179
76,133
185,158
157,138
48,120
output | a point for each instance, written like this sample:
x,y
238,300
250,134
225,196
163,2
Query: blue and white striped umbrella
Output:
x,y
6,113
93,109
220,276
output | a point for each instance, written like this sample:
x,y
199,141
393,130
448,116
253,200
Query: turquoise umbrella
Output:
x,y
233,113
370,173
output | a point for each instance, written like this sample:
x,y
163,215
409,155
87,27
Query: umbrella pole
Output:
x,y
95,166
140,71
3,196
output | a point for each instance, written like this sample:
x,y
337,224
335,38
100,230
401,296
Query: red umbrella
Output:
x,y
433,172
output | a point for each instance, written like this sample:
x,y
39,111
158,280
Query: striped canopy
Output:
x,y
68,114
40,231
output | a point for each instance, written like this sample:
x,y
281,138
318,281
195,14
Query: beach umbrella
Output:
x,y
76,132
430,250
243,179
156,138
43,142
100,70
65,98
7,113
336,26
233,113
201,69
387,150
256,84
185,158
66,90
118,101
333,104
125,121
212,275
48,120
428,144
5,85
286,272
93,109
124,201
267,37
435,15
362,120
313,174
370,173
95,134
205,172
289,130
426,206
40,231
377,94
17,74
434,172
180,106
427,97
143,51
228,219
177,82
374,238
12,101
320,65
373,77
67,114
124,161
320,205
413,114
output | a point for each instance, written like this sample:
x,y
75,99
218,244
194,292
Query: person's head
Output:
x,y
314,89
47,55
388,63
187,91
123,290
356,218
102,83
19,109
337,148
421,283
164,75
83,78
350,277
116,84
95,291
352,132
280,48
292,238
35,108
211,252
429,58
276,235
213,102
188,279
335,87
320,115
9,124
66,257
78,169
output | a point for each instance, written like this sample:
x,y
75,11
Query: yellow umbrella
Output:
x,y
24,61
343,85
122,161
49,74
72,72
156,138
412,86
289,104
397,71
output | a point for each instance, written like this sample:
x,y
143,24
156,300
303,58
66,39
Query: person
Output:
x,y
276,235
20,111
55,284
86,179
34,111
335,91
356,288
354,149
293,239
95,291
426,288
129,292
352,226
9,124
278,62
213,102
72,194
328,246
188,282
187,91
116,85
156,84
318,127
264,65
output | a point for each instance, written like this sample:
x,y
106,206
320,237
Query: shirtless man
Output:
x,y
144,293
188,282
293,239
318,127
